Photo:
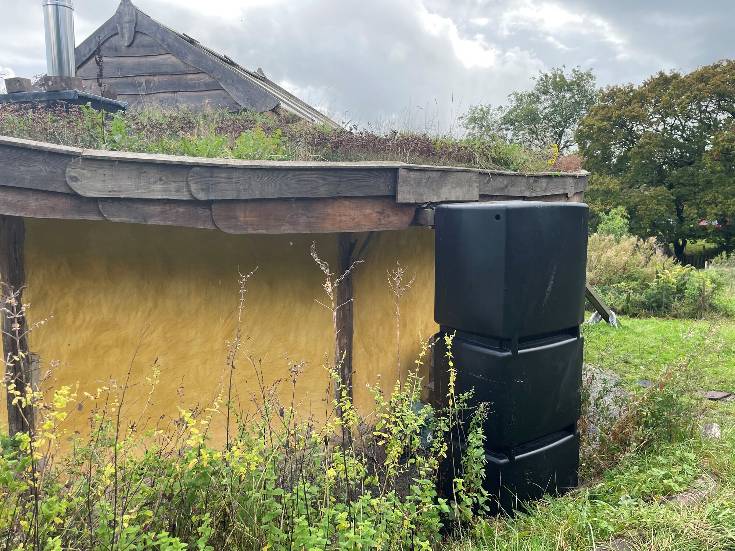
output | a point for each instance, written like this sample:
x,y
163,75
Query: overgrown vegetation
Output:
x,y
635,276
278,481
256,136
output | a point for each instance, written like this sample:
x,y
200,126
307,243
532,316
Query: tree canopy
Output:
x,y
545,116
666,150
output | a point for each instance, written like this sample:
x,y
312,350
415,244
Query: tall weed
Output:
x,y
636,278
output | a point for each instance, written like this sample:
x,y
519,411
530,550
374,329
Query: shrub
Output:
x,y
724,267
615,222
636,278
279,483
611,261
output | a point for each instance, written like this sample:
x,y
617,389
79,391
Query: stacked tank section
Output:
x,y
510,280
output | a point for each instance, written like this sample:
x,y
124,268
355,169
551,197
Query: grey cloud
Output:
x,y
394,62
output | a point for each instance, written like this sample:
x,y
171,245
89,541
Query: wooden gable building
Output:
x,y
149,65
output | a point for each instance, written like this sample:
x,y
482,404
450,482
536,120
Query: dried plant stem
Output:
x,y
332,285
116,444
398,287
234,347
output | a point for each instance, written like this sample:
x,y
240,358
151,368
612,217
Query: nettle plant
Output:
x,y
279,481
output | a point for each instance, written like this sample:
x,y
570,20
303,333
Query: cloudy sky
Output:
x,y
417,63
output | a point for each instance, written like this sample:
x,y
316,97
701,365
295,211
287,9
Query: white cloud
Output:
x,y
572,29
471,52
556,43
480,21
228,10
554,20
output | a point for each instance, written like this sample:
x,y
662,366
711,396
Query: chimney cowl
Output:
x,y
58,18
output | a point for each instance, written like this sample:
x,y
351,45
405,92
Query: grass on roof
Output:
x,y
256,137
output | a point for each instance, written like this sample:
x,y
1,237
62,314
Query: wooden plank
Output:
x,y
598,304
39,146
577,197
133,66
244,91
435,186
30,203
32,168
127,17
532,185
90,177
198,101
87,49
143,45
212,183
163,213
193,82
192,162
38,165
18,84
561,198
332,215
16,356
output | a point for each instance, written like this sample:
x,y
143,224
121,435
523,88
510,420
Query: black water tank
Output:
x,y
547,466
511,270
529,394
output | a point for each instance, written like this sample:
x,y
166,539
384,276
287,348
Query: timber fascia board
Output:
x,y
248,196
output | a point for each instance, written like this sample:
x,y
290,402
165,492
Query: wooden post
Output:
x,y
345,311
600,306
18,361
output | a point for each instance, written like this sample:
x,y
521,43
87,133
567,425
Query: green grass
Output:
x,y
643,348
700,246
253,136
631,503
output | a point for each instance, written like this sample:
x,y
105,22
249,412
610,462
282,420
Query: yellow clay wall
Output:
x,y
126,297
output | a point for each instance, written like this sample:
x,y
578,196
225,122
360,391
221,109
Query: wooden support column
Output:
x,y
18,362
346,243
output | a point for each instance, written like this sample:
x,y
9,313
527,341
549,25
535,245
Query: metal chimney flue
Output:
x,y
58,18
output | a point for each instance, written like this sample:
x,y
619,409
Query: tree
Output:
x,y
542,117
663,147
615,223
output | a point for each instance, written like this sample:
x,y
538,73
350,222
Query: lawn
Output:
x,y
638,504
642,348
